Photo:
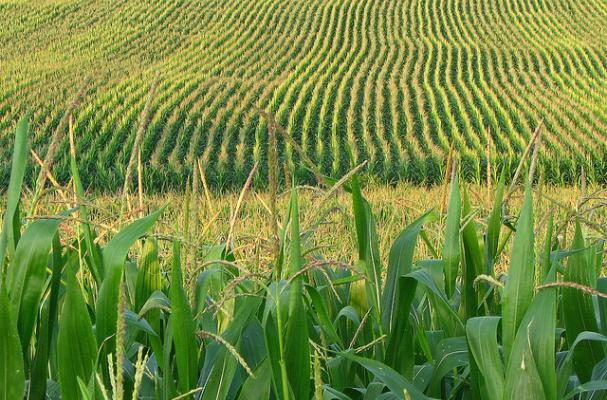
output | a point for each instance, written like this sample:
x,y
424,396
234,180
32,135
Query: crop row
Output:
x,y
397,83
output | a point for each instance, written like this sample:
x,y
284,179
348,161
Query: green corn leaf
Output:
x,y
533,351
518,291
114,256
368,244
400,262
149,276
473,262
546,258
481,333
18,167
451,353
48,319
397,384
322,316
12,374
93,253
578,310
599,386
27,272
258,386
76,346
400,353
494,225
566,366
297,350
450,320
184,334
451,247
523,380
220,365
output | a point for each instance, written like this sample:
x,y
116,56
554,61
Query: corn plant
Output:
x,y
82,318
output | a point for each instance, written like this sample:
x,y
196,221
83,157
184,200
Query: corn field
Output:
x,y
396,82
87,317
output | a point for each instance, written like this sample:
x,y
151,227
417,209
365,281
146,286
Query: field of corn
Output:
x,y
395,82
507,302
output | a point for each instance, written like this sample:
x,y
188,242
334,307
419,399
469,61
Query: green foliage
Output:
x,y
302,326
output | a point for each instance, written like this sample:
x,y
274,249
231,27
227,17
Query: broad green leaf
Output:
x,y
451,353
400,262
523,380
114,256
149,276
566,365
400,353
494,225
368,244
472,265
546,258
395,382
297,348
450,320
76,346
258,386
320,313
12,374
220,365
518,291
46,327
533,351
481,333
578,310
18,167
184,333
26,274
451,248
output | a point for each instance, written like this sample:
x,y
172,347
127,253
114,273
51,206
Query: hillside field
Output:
x,y
394,82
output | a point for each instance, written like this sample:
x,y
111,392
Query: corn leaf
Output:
x,y
114,256
473,262
518,290
400,262
494,225
578,310
26,274
12,375
481,333
397,384
451,248
297,350
368,244
184,336
76,346
18,167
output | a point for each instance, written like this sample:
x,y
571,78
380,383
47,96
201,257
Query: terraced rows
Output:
x,y
394,82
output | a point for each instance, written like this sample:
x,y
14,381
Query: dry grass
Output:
x,y
327,224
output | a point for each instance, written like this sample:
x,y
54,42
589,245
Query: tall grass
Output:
x,y
87,317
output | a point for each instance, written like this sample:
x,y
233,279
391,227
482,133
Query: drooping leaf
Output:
x,y
395,382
